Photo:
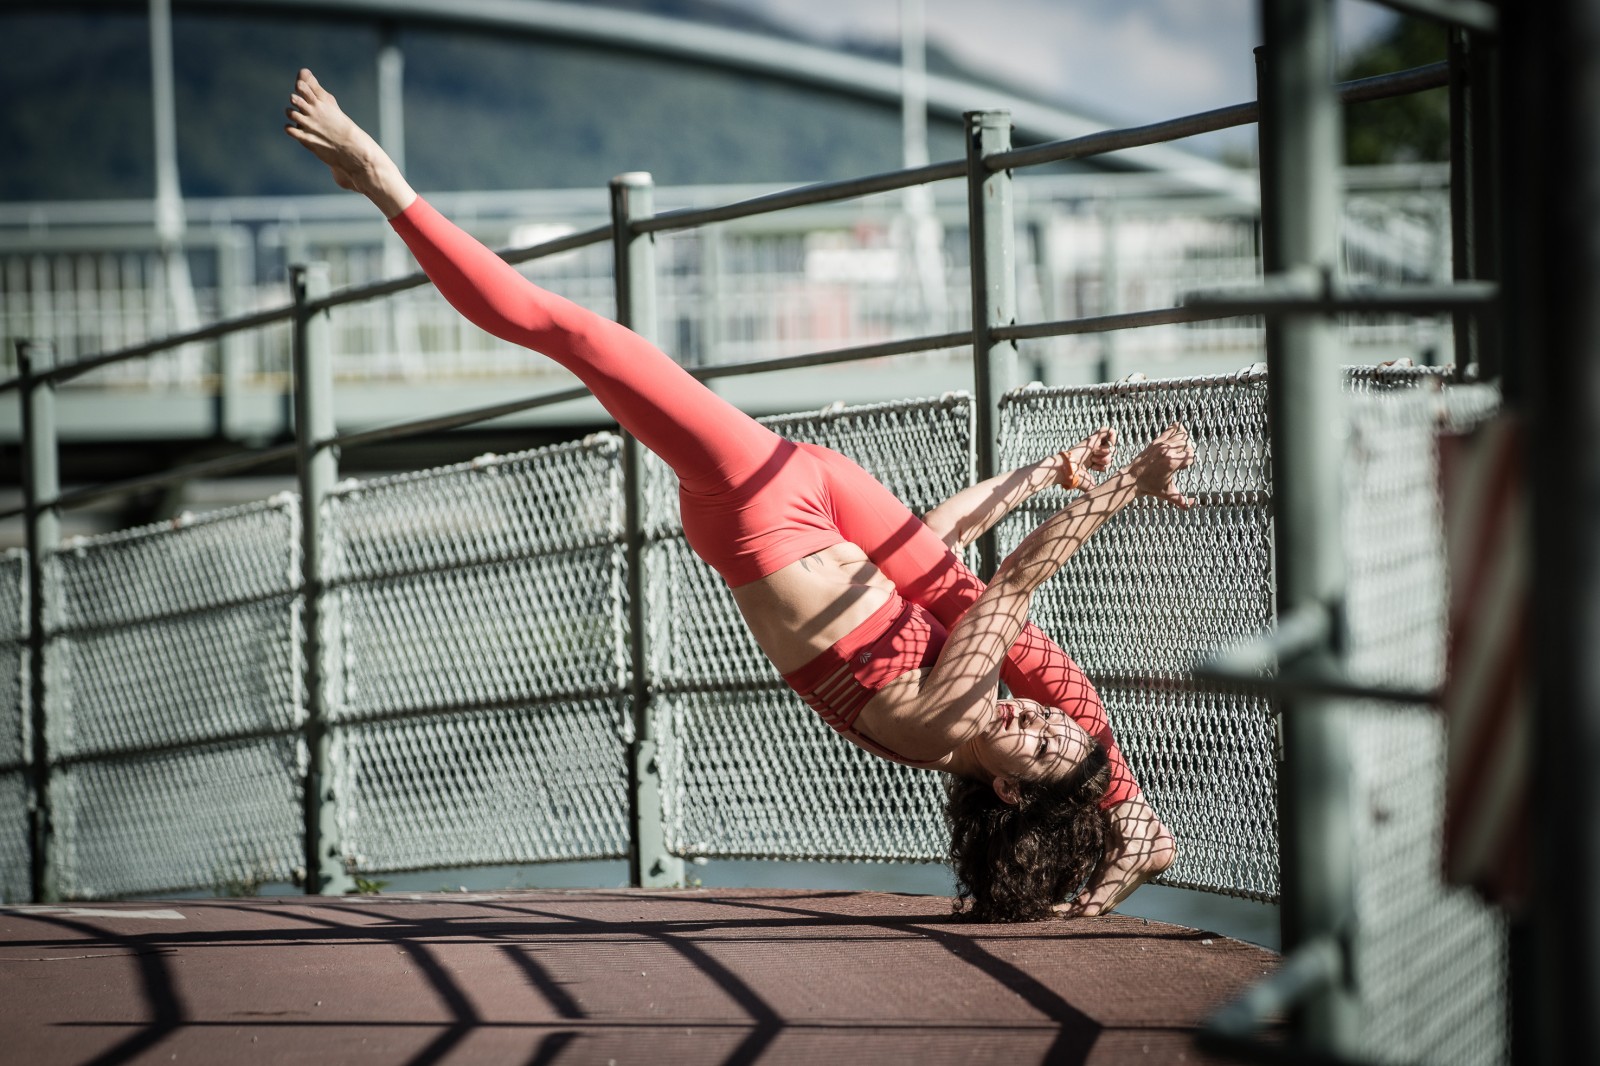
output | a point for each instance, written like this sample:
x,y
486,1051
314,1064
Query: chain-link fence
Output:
x,y
13,727
1156,590
1430,959
173,704
477,661
478,671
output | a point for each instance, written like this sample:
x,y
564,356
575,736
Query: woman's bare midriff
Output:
x,y
802,610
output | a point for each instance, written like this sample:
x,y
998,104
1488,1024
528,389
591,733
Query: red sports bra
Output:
x,y
898,637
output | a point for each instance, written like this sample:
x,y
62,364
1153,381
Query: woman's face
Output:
x,y
1031,742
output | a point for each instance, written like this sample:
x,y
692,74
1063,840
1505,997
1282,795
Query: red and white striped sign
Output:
x,y
1487,697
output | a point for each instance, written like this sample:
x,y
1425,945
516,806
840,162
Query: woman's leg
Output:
x,y
709,443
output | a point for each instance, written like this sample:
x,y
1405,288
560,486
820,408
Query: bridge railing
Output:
x,y
517,658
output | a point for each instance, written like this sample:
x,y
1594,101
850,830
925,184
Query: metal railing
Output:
x,y
1298,124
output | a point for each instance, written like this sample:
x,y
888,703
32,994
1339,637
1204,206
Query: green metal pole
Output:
x,y
1302,156
992,240
318,469
41,485
1109,282
1472,196
235,272
650,864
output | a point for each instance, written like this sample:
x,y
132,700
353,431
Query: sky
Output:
x,y
1131,61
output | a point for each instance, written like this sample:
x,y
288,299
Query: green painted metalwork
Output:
x,y
40,485
650,863
1300,124
992,237
318,470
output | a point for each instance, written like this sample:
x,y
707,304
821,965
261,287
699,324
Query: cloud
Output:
x,y
1130,60
1136,60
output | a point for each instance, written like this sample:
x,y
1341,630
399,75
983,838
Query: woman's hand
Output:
x,y
1093,453
1159,463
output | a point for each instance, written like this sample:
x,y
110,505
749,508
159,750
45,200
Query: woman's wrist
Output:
x,y
1067,470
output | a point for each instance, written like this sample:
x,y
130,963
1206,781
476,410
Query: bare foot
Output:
x,y
357,161
1140,848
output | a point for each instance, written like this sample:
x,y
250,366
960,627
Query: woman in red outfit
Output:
x,y
865,609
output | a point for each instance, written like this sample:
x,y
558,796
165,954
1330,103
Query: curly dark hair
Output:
x,y
1014,861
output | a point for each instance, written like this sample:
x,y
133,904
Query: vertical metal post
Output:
x,y
398,314
712,267
41,485
1109,283
1302,156
391,95
170,220
992,237
317,466
650,864
1472,195
235,275
1551,179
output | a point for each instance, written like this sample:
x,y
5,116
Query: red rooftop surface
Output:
x,y
602,976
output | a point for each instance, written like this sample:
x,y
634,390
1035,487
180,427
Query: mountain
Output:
x,y
483,110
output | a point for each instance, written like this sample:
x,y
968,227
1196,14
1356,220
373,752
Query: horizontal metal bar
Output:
x,y
453,421
254,600
571,242
710,687
704,373
1290,296
1400,83
1234,1030
1270,1051
405,714
1307,969
1104,141
227,464
1475,15
1298,632
821,193
172,747
205,333
1163,316
909,346
1303,682
577,544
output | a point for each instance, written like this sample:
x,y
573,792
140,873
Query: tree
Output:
x,y
1405,129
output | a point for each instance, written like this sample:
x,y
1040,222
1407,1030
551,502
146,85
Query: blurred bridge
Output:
x,y
91,278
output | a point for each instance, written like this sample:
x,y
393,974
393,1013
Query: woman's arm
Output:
x,y
973,511
954,700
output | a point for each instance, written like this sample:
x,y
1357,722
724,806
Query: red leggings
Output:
x,y
752,501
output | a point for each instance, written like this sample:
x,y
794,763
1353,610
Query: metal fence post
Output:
x,y
1300,163
1109,283
235,270
317,467
41,485
992,239
1473,156
650,864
